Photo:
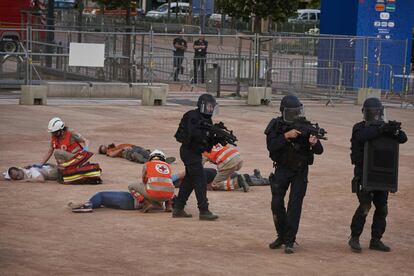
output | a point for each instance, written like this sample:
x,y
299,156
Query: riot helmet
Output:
x,y
373,110
207,104
291,108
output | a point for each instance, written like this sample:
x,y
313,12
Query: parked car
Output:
x,y
306,16
182,9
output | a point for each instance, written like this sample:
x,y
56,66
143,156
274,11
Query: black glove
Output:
x,y
390,129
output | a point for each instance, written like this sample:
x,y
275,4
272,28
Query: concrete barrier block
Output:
x,y
33,95
365,93
154,95
137,89
68,89
110,90
259,95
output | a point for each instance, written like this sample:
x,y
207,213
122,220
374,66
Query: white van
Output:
x,y
182,9
306,16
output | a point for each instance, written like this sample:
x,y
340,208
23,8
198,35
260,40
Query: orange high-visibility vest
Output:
x,y
221,154
64,143
159,183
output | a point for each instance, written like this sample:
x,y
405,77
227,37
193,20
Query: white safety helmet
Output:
x,y
157,153
55,124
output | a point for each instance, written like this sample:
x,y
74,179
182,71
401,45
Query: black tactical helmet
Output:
x,y
206,104
373,110
290,101
291,108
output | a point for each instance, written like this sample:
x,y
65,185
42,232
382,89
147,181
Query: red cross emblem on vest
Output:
x,y
163,169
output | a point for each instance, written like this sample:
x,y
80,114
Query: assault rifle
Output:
x,y
219,133
306,128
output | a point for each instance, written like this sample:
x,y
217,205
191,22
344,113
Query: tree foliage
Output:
x,y
316,4
277,10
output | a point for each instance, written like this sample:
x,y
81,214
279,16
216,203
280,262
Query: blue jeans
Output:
x,y
113,199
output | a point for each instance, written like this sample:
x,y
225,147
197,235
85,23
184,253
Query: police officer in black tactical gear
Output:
x,y
194,140
370,128
291,153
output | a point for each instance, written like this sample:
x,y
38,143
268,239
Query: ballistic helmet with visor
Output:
x,y
157,154
291,108
373,110
55,124
207,104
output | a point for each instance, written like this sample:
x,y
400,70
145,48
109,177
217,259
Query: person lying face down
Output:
x,y
124,200
130,152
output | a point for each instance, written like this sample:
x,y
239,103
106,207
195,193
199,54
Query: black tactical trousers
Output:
x,y
379,198
287,221
177,63
199,64
195,179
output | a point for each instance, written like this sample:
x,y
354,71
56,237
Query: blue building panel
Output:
x,y
385,50
208,7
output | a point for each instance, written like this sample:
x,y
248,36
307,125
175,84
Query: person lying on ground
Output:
x,y
130,152
228,161
65,143
124,200
32,173
256,179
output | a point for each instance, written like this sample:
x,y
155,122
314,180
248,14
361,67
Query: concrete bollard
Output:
x,y
68,89
365,93
110,90
259,95
154,95
33,95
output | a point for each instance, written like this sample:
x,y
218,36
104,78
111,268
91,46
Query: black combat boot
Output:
x,y
377,244
207,215
180,213
277,243
289,248
354,244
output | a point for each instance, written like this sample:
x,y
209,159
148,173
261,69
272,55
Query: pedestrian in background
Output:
x,y
180,46
200,53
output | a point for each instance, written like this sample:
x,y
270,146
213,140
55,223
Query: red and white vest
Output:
x,y
159,183
65,143
221,154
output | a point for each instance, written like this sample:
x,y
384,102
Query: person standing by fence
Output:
x,y
200,53
180,46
